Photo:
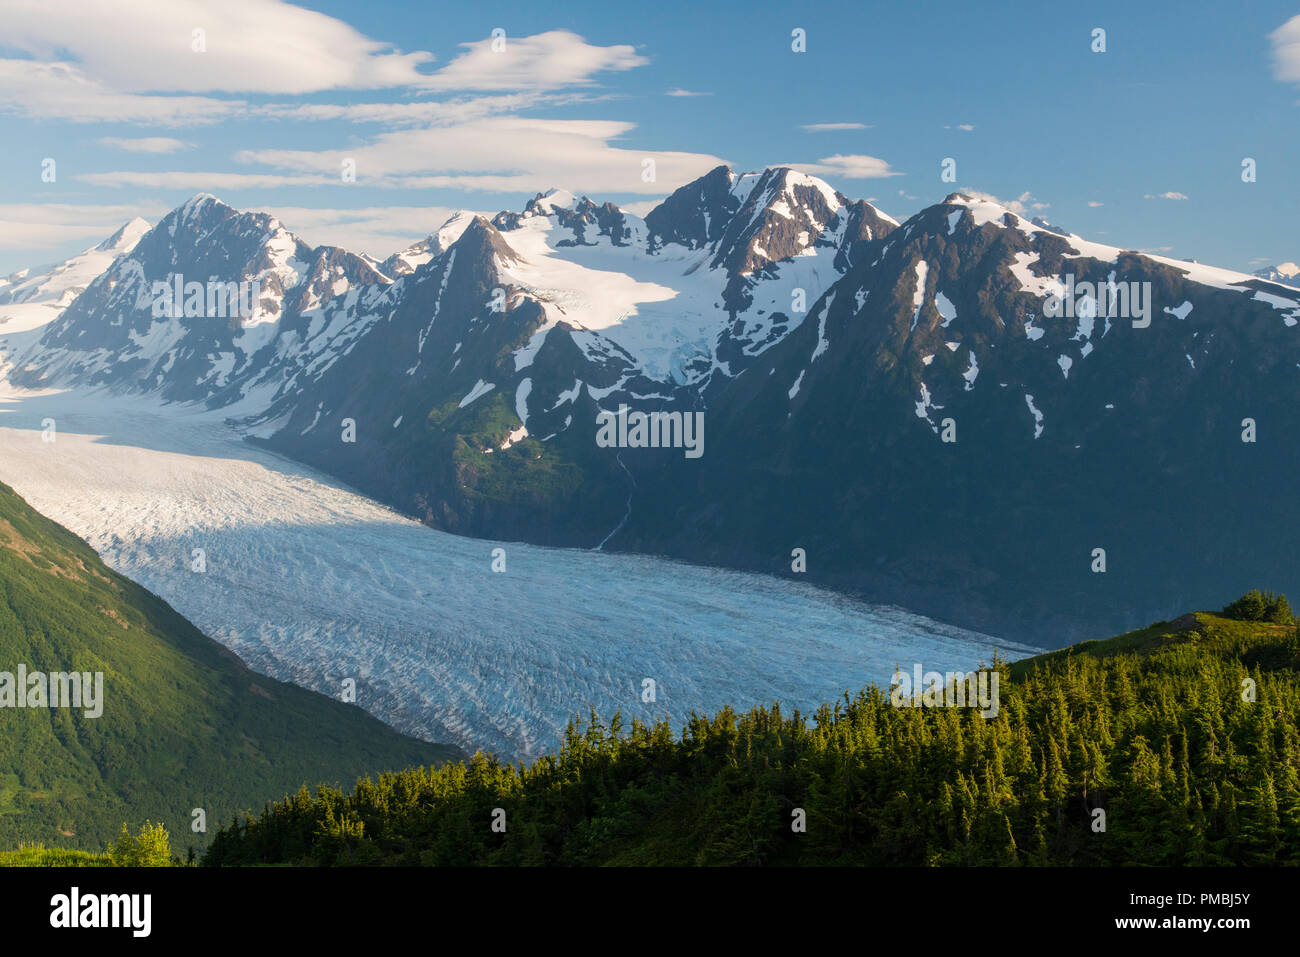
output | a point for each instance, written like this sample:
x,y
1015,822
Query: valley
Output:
x,y
312,583
396,474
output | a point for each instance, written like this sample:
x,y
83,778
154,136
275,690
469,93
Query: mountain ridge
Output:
x,y
830,349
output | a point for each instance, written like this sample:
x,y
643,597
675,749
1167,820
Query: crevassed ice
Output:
x,y
311,583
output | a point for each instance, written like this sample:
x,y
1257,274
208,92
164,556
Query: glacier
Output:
x,y
313,583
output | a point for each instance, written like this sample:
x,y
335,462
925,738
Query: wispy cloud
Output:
x,y
238,46
546,61
853,166
62,91
147,144
964,127
680,92
831,127
1286,51
39,226
204,181
498,154
377,231
1094,204
182,62
1169,195
461,109
1022,205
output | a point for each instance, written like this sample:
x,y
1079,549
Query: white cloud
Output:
x,y
201,181
378,231
545,61
1170,195
831,127
147,144
1094,204
1022,205
680,92
1286,51
853,166
498,154
250,46
964,127
89,61
62,91
39,226
420,113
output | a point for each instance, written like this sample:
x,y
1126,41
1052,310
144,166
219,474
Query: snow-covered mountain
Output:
x,y
35,297
265,301
1069,432
413,257
1286,273
938,409
647,305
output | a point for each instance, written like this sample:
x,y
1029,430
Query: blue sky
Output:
x,y
1140,146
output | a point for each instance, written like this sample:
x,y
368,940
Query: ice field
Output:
x,y
313,583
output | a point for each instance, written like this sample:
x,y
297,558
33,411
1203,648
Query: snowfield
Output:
x,y
313,583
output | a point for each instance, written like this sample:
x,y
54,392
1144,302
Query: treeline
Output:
x,y
1258,605
149,847
1157,747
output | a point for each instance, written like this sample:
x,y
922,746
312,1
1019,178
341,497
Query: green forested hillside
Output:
x,y
185,725
1154,728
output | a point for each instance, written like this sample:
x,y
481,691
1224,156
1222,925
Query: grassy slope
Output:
x,y
185,723
35,855
1207,631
